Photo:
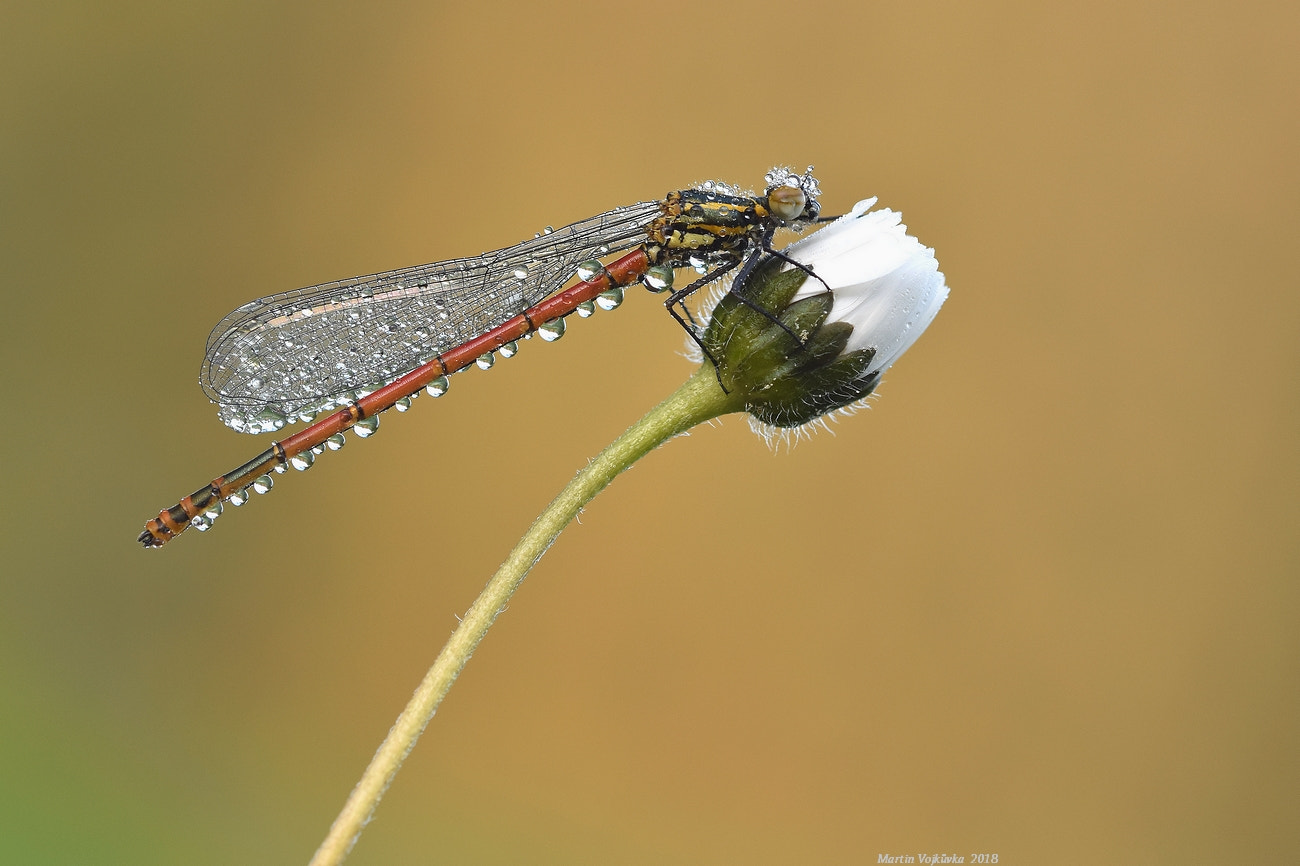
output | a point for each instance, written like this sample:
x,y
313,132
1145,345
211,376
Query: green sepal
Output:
x,y
799,399
778,351
788,373
828,343
734,324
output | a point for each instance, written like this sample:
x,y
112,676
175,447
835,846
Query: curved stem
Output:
x,y
699,399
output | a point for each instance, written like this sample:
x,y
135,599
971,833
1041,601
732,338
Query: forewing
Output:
x,y
296,353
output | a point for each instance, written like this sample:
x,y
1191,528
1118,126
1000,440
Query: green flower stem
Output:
x,y
699,399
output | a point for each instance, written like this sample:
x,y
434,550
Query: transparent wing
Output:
x,y
298,352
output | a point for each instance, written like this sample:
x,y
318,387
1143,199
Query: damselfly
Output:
x,y
358,347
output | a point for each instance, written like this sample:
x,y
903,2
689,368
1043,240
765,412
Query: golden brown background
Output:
x,y
1039,601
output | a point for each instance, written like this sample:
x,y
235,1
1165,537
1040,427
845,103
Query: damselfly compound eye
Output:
x,y
787,203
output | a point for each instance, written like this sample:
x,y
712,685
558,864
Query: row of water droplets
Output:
x,y
656,279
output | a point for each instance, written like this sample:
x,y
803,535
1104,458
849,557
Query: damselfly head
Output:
x,y
791,197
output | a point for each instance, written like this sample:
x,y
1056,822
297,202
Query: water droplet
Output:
x,y
239,497
658,278
367,427
335,442
201,523
587,270
262,484
552,330
485,362
318,450
402,404
437,387
213,511
267,420
302,462
585,309
509,350
521,274
547,230
610,298
280,469
255,382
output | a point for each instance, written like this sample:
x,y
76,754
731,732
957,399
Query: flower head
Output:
x,y
802,340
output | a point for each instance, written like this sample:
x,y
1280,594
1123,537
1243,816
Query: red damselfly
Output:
x,y
355,348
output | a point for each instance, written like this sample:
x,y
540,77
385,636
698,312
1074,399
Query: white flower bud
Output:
x,y
796,342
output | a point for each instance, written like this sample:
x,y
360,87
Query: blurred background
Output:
x,y
1039,601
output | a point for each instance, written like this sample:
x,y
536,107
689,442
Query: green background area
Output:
x,y
1040,600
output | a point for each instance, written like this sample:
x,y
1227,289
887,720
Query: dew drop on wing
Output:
x,y
438,386
262,484
485,361
238,498
268,420
367,427
302,462
402,404
335,442
509,350
213,511
585,309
